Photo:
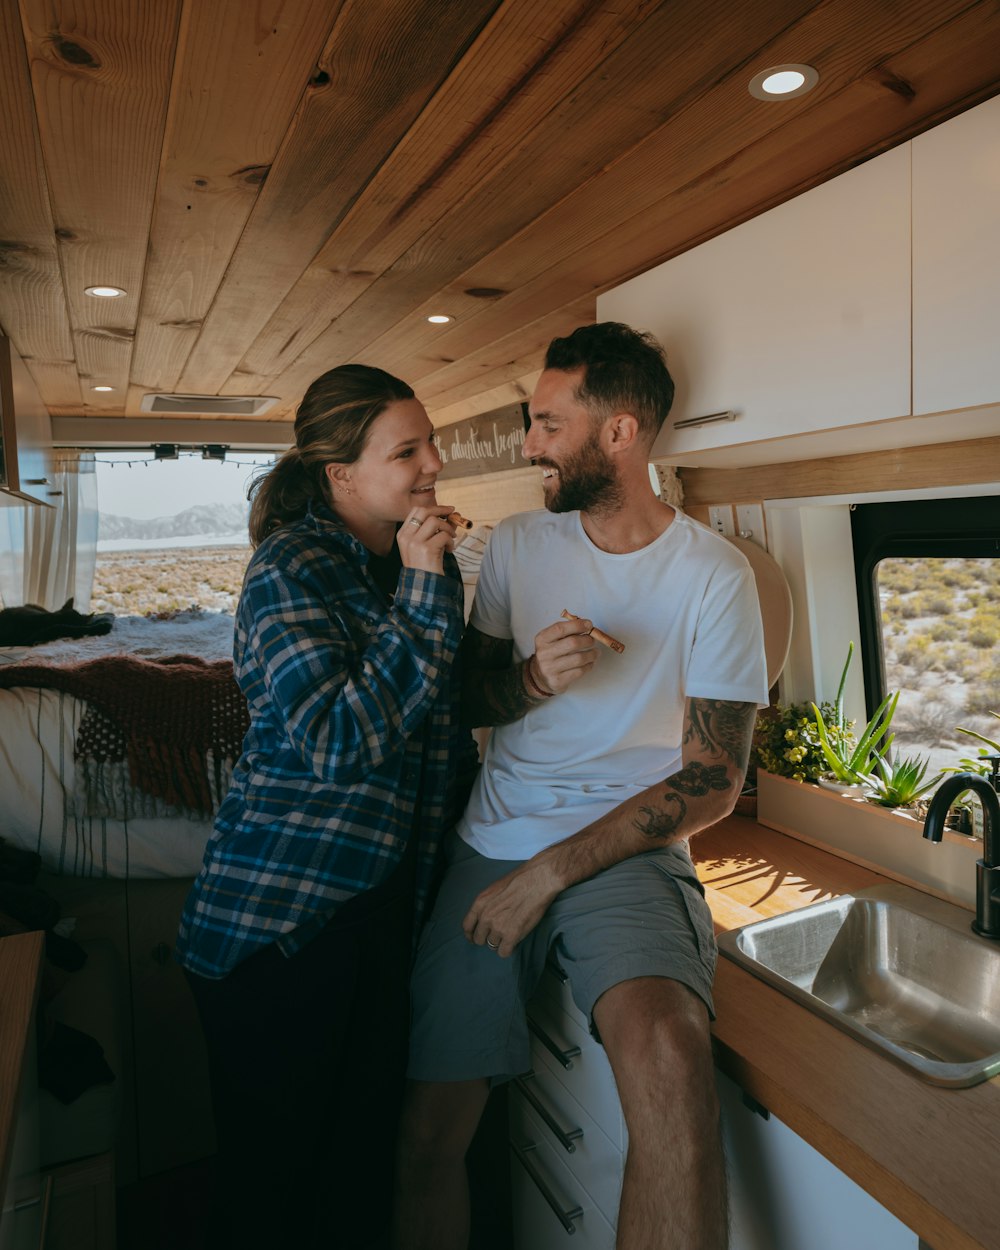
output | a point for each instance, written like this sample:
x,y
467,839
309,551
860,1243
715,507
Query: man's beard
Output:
x,y
587,482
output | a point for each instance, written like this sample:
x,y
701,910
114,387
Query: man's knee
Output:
x,y
655,1031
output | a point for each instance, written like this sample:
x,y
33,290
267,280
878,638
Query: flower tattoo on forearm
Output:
x,y
716,729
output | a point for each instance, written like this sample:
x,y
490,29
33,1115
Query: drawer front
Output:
x,y
551,1210
569,1053
539,1104
554,989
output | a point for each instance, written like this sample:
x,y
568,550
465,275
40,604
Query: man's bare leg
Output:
x,y
438,1124
656,1035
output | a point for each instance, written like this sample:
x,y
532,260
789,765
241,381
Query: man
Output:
x,y
601,767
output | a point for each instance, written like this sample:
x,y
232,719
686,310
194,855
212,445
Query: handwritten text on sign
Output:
x,y
489,443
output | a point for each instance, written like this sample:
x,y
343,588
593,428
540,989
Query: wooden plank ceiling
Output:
x,y
283,185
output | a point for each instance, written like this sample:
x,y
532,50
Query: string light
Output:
x,y
195,453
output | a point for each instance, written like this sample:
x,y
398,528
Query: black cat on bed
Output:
x,y
28,625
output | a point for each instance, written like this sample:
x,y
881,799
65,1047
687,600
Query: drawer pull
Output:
x,y
553,969
565,1218
565,1057
565,1137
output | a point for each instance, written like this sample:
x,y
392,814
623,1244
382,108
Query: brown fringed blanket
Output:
x,y
177,722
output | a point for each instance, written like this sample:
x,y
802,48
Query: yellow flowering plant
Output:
x,y
786,740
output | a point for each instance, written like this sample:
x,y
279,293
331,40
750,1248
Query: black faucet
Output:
x,y
987,921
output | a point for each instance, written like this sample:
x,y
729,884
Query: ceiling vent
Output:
x,y
208,405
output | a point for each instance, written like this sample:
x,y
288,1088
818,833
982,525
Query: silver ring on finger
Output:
x,y
414,521
492,945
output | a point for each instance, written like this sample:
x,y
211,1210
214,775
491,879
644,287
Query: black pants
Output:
x,y
307,1058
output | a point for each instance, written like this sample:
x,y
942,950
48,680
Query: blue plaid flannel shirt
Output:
x,y
349,700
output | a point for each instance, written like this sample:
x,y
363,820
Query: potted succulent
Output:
x,y
879,827
900,782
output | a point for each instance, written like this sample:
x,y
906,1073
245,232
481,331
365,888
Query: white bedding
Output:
x,y
37,779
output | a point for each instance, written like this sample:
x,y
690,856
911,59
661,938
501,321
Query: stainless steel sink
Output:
x,y
897,969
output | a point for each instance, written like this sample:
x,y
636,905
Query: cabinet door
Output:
x,y
798,320
956,258
784,1195
25,432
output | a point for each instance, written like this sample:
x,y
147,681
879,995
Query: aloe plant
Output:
x,y
850,762
901,783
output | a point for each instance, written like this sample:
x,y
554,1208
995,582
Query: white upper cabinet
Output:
x,y
798,320
956,262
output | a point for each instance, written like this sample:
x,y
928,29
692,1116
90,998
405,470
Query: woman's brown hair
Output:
x,y
332,425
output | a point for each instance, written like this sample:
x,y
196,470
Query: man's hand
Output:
x,y
507,911
564,652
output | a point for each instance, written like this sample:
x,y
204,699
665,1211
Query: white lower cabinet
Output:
x,y
551,1207
784,1195
568,1145
567,1133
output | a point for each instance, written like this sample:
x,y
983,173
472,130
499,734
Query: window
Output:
x,y
172,532
928,578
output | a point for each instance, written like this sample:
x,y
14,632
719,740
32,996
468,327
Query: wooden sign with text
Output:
x,y
488,443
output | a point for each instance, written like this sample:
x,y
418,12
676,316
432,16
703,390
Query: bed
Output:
x,y
66,795
81,812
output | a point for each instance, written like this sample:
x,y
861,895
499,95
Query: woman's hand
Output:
x,y
424,537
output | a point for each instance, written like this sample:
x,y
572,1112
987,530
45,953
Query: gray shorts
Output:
x,y
646,916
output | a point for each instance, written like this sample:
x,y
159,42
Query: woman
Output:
x,y
296,936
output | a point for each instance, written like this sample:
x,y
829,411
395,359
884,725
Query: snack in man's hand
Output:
x,y
599,634
458,520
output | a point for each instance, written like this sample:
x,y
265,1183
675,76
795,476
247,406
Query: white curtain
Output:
x,y
47,555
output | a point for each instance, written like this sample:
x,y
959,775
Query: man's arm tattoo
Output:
x,y
505,695
493,692
695,780
721,728
662,824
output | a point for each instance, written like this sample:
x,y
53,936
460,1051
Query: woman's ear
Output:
x,y
339,478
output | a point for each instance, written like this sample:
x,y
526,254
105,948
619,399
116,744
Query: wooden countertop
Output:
x,y
927,1153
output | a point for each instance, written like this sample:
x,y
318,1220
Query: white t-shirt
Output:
x,y
686,609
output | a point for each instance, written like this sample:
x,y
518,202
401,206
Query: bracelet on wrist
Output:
x,y
531,681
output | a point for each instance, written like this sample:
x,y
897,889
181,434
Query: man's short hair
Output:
x,y
626,371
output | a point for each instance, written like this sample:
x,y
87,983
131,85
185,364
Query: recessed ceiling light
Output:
x,y
105,292
440,319
783,82
102,388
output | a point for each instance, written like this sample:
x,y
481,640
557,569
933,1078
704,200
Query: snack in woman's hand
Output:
x,y
599,634
459,521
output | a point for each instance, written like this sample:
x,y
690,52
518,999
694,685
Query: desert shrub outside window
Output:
x,y
928,575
